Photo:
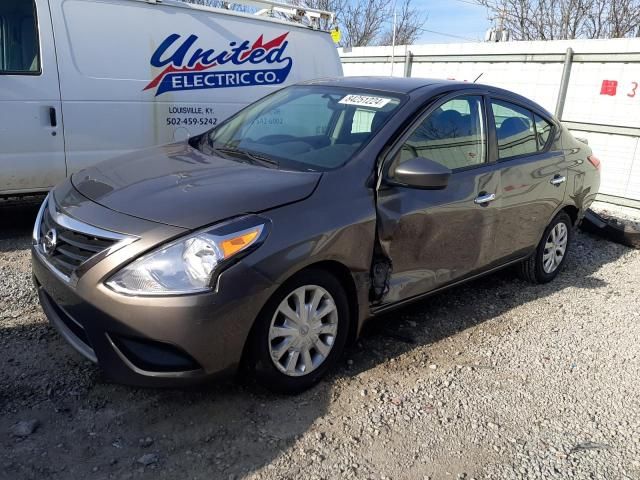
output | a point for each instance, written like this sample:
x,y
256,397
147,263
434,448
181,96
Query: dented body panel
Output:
x,y
435,237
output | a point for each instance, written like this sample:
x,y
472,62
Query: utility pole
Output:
x,y
501,23
393,39
498,32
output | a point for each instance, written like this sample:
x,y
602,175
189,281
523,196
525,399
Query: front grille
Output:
x,y
72,248
74,242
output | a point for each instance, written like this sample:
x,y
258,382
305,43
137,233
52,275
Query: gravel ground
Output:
x,y
496,379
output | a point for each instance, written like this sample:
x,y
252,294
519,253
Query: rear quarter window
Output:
x,y
543,131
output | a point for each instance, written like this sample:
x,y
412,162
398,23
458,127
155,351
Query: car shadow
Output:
x,y
223,429
18,217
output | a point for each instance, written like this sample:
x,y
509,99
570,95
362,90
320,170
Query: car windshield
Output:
x,y
304,127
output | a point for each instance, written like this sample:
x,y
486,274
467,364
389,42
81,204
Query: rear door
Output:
x,y
435,237
533,174
31,135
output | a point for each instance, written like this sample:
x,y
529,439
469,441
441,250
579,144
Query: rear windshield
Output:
x,y
306,127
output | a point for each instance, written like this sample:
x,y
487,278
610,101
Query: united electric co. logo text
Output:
x,y
188,67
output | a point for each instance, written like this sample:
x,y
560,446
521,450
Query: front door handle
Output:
x,y
485,198
558,180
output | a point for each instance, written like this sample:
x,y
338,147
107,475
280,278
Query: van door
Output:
x,y
31,135
533,175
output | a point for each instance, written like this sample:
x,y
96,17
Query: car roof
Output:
x,y
406,85
387,84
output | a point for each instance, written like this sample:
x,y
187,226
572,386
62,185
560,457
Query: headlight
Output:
x,y
187,265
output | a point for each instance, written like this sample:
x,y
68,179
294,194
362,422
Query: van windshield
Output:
x,y
304,127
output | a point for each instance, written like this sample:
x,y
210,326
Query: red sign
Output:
x,y
609,87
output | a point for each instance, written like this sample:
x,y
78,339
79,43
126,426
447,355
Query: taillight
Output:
x,y
593,160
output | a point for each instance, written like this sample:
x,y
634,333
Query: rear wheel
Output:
x,y
545,264
301,332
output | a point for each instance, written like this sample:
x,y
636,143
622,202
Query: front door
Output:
x,y
31,135
533,176
435,237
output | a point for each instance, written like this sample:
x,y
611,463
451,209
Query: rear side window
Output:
x,y
515,130
519,130
453,135
19,53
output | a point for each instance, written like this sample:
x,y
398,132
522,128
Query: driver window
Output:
x,y
18,37
453,135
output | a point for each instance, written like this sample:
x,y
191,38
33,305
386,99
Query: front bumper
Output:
x,y
152,341
145,341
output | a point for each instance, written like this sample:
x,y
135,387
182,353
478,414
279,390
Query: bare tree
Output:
x,y
336,7
613,19
363,21
566,19
409,23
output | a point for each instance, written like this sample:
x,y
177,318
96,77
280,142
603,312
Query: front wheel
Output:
x,y
545,264
301,332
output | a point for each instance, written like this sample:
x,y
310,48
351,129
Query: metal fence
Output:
x,y
593,86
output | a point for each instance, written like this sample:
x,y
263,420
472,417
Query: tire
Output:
x,y
324,342
534,269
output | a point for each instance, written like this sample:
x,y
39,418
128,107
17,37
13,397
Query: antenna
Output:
x,y
478,77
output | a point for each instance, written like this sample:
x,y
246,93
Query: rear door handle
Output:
x,y
558,180
485,198
53,118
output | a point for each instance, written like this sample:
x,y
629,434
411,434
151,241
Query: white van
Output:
x,y
85,80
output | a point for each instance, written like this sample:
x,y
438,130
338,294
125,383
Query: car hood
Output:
x,y
181,186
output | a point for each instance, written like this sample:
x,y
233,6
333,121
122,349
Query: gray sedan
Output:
x,y
270,240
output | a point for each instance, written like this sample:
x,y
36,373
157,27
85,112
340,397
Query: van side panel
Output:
x,y
135,75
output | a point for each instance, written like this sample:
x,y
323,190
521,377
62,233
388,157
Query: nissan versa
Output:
x,y
268,241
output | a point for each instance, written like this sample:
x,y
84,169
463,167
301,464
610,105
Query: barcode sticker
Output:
x,y
365,101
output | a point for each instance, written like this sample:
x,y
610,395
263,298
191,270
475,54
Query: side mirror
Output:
x,y
420,172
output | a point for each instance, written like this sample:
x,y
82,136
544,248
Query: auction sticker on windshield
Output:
x,y
365,101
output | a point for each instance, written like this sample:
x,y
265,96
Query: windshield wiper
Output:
x,y
261,157
254,157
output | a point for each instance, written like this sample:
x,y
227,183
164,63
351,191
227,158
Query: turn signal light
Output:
x,y
593,160
230,246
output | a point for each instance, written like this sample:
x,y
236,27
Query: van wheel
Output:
x,y
546,262
301,332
